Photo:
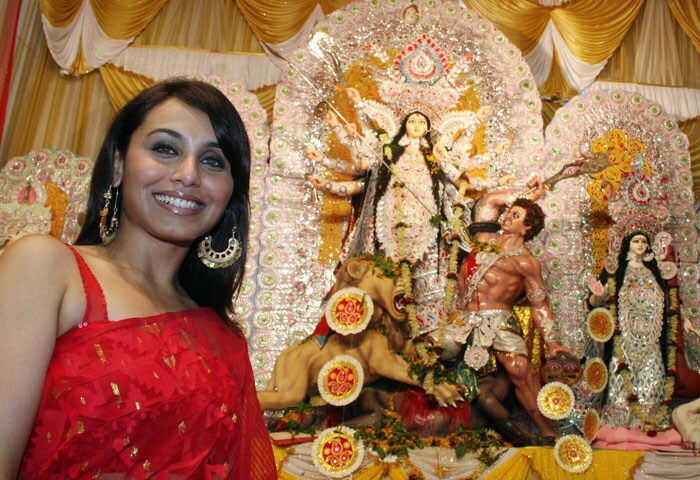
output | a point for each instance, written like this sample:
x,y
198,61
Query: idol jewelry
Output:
x,y
108,234
213,259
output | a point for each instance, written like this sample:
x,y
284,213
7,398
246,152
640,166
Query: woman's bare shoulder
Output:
x,y
36,256
43,246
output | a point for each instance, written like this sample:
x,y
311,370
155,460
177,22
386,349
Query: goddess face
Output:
x,y
410,15
416,125
639,245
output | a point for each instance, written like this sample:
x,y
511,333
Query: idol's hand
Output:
x,y
350,129
314,155
484,112
595,285
447,395
439,151
353,95
554,348
503,146
316,181
536,188
331,118
506,180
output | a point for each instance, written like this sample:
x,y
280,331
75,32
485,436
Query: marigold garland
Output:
x,y
453,240
293,420
424,364
388,436
405,266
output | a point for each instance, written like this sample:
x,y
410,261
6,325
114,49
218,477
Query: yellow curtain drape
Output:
x,y
556,86
266,96
687,14
522,21
48,110
621,65
593,30
119,20
60,12
275,21
212,25
691,128
125,19
122,86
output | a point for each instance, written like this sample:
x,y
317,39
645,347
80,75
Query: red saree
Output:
x,y
169,396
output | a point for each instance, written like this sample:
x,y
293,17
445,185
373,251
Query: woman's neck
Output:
x,y
412,143
635,260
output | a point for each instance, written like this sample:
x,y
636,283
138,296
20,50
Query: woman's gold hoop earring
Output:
x,y
108,234
213,259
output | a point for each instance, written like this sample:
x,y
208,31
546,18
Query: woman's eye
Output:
x,y
214,161
164,149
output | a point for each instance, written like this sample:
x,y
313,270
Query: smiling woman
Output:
x,y
123,363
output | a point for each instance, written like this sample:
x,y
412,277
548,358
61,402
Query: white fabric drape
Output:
x,y
284,49
552,3
253,71
541,57
681,103
65,42
577,73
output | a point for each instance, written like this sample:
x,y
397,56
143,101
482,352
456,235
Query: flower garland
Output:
x,y
454,245
295,421
650,422
405,266
424,359
389,437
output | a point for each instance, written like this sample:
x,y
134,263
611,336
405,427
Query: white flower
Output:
x,y
476,356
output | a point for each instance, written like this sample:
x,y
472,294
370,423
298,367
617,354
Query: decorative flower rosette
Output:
x,y
600,324
596,374
340,380
668,270
476,357
555,400
336,453
591,425
573,454
349,311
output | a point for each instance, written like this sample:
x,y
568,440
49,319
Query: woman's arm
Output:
x,y
34,273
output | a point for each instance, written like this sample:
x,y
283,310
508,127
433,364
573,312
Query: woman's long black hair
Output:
x,y
207,287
